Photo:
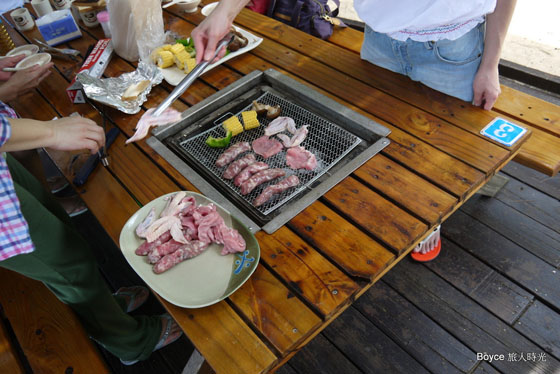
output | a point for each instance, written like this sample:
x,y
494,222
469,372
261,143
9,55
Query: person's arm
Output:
x,y
23,81
65,134
214,28
486,84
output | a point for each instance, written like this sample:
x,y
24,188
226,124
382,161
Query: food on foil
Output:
x,y
266,146
259,178
236,166
280,124
300,158
248,172
231,153
219,142
200,225
277,188
147,121
298,137
271,111
134,90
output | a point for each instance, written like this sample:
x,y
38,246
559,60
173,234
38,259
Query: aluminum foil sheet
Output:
x,y
108,91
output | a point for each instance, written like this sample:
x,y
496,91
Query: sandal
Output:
x,y
166,338
137,295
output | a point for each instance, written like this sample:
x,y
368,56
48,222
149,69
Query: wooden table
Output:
x,y
315,266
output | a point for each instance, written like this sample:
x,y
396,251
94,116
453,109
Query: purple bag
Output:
x,y
312,16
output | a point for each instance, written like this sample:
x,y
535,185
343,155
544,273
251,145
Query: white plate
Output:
x,y
174,75
207,9
199,281
31,60
27,50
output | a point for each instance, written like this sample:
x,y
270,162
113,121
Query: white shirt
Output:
x,y
423,20
6,5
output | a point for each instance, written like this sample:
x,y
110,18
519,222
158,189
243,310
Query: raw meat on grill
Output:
x,y
231,153
143,226
236,166
281,186
280,124
162,250
186,251
298,137
262,176
248,172
147,246
169,115
266,146
300,158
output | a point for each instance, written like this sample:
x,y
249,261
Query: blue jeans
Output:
x,y
448,66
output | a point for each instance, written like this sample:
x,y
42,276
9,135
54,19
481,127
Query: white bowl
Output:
x,y
208,9
188,6
36,59
27,50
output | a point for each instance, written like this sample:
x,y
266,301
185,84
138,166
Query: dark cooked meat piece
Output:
x,y
248,171
300,158
266,146
231,153
277,188
262,176
236,166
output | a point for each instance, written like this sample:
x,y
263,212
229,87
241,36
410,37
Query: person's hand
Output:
x,y
24,81
9,62
75,133
486,87
208,34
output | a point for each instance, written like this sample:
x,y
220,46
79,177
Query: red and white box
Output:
x,y
95,64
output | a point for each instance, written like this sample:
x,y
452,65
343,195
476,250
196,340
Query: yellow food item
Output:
x,y
177,48
181,58
232,124
156,51
166,47
189,65
164,59
250,119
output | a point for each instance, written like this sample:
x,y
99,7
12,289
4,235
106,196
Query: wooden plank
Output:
x,y
408,189
541,324
479,281
469,322
504,255
48,331
9,360
535,238
321,356
432,346
307,272
274,311
368,347
375,214
351,249
485,368
535,179
224,340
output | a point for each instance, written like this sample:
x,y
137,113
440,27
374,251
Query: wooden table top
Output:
x,y
332,252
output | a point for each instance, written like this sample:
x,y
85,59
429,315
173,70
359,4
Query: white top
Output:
x,y
423,20
6,5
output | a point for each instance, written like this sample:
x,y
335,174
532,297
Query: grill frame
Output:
x,y
209,113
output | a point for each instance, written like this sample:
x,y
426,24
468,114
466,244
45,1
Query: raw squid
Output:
x,y
147,121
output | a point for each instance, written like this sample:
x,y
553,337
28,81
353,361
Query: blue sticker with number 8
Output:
x,y
503,132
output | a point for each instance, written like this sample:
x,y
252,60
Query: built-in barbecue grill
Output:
x,y
340,138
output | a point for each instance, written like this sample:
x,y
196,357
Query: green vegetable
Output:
x,y
188,42
219,142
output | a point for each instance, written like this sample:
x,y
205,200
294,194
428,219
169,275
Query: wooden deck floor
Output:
x,y
495,288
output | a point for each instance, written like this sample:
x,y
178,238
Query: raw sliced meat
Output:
x,y
281,186
278,125
300,158
163,224
162,250
186,251
231,239
175,205
297,139
262,176
266,146
169,115
248,171
147,246
143,226
231,153
236,166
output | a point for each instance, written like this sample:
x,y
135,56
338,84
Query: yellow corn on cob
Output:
x,y
189,65
177,48
164,59
232,124
166,47
250,120
181,58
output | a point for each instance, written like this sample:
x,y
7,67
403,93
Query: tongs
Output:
x,y
190,78
71,54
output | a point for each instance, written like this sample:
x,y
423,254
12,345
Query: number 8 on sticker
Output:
x,y
503,131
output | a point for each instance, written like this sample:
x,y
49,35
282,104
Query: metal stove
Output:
x,y
340,138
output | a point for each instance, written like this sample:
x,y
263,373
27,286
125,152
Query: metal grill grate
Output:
x,y
328,141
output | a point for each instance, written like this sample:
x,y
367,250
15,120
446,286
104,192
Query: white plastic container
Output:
x,y
103,18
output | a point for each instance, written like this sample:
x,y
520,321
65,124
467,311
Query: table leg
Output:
x,y
195,363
